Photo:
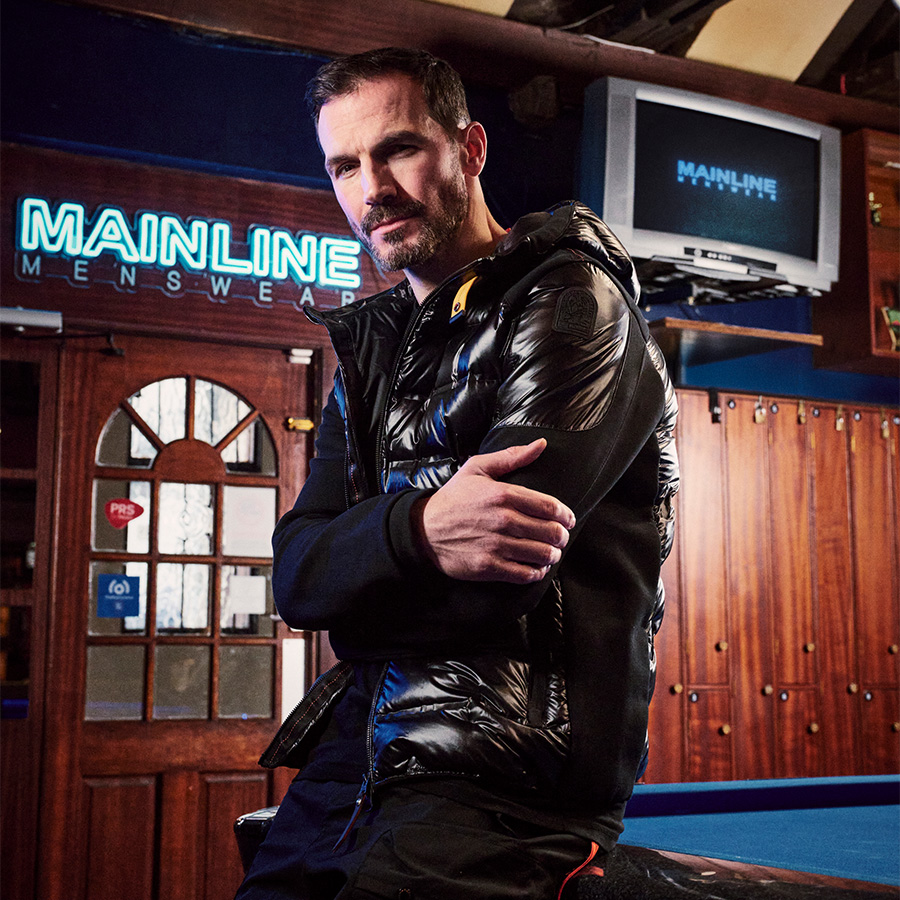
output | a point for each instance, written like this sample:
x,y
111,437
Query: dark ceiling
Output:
x,y
860,58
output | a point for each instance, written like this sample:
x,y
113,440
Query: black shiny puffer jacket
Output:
x,y
540,692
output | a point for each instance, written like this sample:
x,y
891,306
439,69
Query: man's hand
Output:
x,y
477,528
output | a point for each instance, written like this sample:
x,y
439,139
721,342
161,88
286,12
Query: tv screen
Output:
x,y
692,181
712,177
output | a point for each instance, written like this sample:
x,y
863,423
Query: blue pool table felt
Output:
x,y
844,827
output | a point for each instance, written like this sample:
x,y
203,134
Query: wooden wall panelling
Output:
x,y
666,727
701,511
121,823
879,730
706,694
798,751
225,796
179,835
749,591
789,498
20,747
792,609
836,640
710,735
874,545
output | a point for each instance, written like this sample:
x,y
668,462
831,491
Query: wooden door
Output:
x,y
749,584
169,669
28,378
834,588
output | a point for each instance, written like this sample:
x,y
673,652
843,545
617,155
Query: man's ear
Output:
x,y
473,148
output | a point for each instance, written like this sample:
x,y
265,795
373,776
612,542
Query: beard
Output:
x,y
435,230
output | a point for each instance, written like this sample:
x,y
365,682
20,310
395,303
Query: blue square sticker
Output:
x,y
118,596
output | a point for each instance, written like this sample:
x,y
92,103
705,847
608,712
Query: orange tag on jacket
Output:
x,y
459,301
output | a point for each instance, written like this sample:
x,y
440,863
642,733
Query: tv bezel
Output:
x,y
608,146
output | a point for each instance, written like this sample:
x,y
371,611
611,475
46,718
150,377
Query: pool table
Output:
x,y
840,828
784,839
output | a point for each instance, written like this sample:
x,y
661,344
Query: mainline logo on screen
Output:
x,y
727,179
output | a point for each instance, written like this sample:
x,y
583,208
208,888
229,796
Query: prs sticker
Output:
x,y
120,512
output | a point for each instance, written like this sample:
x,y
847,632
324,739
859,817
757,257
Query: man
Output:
x,y
481,531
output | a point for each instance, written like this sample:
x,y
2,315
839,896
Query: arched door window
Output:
x,y
181,622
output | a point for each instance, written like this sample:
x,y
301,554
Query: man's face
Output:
x,y
396,173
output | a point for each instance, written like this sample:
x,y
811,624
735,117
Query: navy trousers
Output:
x,y
410,846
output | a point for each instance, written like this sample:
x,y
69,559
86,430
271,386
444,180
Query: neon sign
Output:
x,y
183,250
728,178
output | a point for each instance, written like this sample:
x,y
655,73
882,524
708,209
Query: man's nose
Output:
x,y
378,184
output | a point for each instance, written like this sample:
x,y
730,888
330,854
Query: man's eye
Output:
x,y
343,170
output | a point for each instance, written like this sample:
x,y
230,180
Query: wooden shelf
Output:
x,y
687,342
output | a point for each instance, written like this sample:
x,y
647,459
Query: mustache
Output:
x,y
383,213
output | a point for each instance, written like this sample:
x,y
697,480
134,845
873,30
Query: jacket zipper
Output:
x,y
364,798
473,268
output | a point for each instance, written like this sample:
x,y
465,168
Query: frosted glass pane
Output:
x,y
245,682
182,597
129,624
216,411
247,605
115,502
115,683
122,444
248,519
162,406
181,682
185,518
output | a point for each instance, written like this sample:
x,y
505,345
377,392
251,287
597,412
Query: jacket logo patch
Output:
x,y
576,313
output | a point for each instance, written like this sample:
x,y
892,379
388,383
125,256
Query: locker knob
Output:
x,y
768,690
722,646
813,728
894,649
677,688
895,727
868,695
809,648
853,688
725,730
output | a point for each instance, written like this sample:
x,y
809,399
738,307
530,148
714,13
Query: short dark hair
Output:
x,y
442,87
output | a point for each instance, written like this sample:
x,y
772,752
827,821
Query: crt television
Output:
x,y
712,187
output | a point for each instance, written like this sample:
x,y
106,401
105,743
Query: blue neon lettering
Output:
x,y
51,235
340,261
110,234
175,242
299,259
221,252
170,242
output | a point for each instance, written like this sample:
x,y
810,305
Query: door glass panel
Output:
x,y
111,624
248,518
121,515
123,444
181,682
162,406
115,683
251,452
216,411
182,597
247,606
185,518
245,682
